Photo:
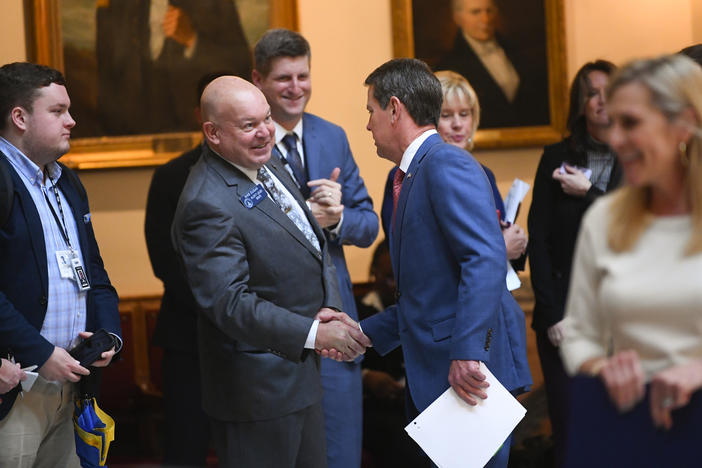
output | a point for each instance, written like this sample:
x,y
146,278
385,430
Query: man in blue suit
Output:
x,y
453,309
317,155
54,289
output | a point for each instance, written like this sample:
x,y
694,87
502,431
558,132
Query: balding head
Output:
x,y
237,121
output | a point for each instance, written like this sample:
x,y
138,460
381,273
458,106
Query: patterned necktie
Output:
x,y
295,161
285,204
396,187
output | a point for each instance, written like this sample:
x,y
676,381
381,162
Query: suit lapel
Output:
x,y
234,178
312,146
73,200
407,183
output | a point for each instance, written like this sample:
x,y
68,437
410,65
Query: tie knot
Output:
x,y
261,174
398,177
290,141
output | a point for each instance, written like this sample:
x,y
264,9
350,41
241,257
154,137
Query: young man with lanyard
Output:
x,y
54,289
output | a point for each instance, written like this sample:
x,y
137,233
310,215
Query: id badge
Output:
x,y
64,258
79,274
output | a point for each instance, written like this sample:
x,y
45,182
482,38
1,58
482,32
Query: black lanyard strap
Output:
x,y
62,225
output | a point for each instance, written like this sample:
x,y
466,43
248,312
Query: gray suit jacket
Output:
x,y
258,283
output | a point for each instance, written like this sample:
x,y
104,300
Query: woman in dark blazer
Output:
x,y
570,176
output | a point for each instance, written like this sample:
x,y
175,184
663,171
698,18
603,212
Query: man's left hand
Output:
x,y
467,381
106,357
325,201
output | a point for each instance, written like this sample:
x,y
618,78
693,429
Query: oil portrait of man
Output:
x,y
498,45
133,64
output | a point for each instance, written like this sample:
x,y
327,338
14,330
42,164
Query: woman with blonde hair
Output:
x,y
634,311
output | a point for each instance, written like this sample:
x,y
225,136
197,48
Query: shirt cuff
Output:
x,y
312,335
337,229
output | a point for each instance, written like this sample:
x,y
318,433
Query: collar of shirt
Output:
x,y
280,133
27,168
483,48
250,173
411,150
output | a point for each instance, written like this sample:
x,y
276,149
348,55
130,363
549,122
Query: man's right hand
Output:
x,y
61,367
10,375
467,381
339,337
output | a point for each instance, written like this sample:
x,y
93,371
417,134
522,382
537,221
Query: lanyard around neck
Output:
x,y
62,222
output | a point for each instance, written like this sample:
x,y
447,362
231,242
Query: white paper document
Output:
x,y
515,196
455,434
31,377
513,281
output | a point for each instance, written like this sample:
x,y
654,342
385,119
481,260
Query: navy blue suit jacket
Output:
x,y
448,258
24,281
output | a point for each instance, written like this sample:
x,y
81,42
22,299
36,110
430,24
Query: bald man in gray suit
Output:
x,y
258,266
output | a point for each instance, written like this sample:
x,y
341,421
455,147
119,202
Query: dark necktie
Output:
x,y
285,204
295,162
396,188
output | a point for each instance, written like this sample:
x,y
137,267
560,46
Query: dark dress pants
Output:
x,y
292,441
558,393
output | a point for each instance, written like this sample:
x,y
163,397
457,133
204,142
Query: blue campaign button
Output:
x,y
253,197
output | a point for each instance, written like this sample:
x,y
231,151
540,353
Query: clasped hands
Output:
x,y
573,181
325,200
339,337
670,389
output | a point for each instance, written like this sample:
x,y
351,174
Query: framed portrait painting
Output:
x,y
132,67
511,51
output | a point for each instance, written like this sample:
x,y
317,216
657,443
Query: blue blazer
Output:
x,y
448,258
24,279
326,147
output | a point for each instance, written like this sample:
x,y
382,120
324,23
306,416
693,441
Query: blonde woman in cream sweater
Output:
x,y
634,311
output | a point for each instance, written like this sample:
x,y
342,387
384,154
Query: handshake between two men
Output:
x,y
339,337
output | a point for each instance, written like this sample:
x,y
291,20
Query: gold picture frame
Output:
x,y
45,46
554,22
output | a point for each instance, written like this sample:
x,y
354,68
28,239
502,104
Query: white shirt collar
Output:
x,y
411,150
25,166
250,173
280,132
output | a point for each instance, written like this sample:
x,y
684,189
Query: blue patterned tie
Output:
x,y
295,161
285,204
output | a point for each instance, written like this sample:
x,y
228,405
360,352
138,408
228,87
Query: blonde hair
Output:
x,y
674,83
455,85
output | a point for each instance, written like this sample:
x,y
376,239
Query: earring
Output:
x,y
684,158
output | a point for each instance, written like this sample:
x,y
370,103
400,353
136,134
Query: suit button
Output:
x,y
43,301
397,294
488,338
